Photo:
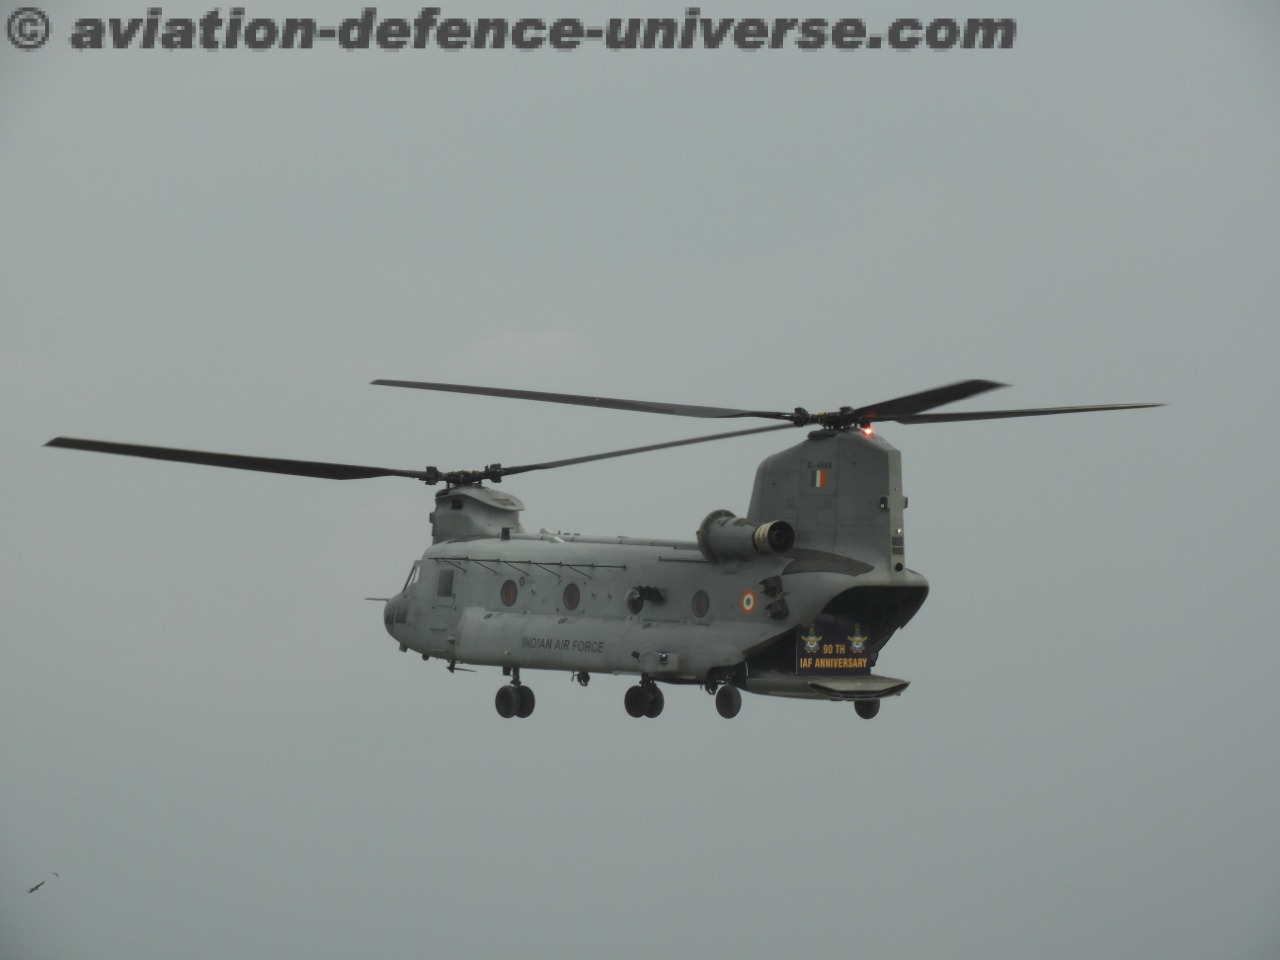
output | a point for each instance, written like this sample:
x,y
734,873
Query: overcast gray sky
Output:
x,y
204,728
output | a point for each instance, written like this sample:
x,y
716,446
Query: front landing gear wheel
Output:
x,y
636,701
728,701
867,708
507,701
524,702
656,702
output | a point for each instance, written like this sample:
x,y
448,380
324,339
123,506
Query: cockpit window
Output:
x,y
413,577
444,584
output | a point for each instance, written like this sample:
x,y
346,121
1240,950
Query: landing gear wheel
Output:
x,y
728,701
656,702
636,701
506,701
524,702
867,708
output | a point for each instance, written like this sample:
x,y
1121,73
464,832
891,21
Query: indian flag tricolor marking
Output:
x,y
819,478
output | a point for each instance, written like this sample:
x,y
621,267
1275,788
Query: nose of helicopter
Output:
x,y
390,614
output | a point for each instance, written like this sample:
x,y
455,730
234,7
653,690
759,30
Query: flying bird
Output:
x,y
37,886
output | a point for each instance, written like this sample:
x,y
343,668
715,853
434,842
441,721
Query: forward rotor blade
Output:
x,y
300,468
506,471
639,406
914,403
1032,412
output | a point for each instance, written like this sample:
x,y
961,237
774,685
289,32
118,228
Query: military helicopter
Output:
x,y
797,599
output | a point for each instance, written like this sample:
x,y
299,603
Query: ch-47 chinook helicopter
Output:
x,y
797,599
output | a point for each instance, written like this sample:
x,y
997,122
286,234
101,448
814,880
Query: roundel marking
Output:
x,y
748,601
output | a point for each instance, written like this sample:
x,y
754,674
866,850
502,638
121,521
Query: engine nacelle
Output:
x,y
723,536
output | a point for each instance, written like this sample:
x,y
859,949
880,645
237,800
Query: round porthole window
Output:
x,y
701,603
509,593
572,597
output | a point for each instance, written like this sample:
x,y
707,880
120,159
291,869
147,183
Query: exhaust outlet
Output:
x,y
723,536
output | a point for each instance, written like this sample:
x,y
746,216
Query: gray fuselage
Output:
x,y
808,621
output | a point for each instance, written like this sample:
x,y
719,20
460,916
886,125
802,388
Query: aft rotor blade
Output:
x,y
914,403
300,468
507,471
639,406
1032,412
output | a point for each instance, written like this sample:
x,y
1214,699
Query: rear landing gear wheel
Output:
x,y
507,700
728,701
656,702
867,708
636,701
524,701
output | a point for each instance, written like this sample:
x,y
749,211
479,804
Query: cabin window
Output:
x,y
509,593
444,584
572,597
412,578
701,604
